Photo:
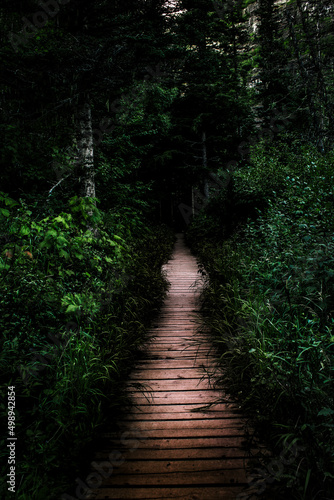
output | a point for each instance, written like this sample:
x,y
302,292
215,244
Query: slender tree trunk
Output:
x,y
313,43
172,208
308,80
85,144
205,165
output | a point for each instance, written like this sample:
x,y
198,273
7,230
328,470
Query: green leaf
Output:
x,y
51,233
72,308
64,254
10,202
24,231
62,220
4,212
325,412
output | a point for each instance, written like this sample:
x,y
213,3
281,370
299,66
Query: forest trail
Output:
x,y
165,449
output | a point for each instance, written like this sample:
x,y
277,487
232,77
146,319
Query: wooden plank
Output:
x,y
169,385
182,344
160,354
178,351
228,423
156,414
170,374
173,399
176,311
180,434
167,397
160,364
130,441
176,454
178,334
180,493
223,476
198,360
155,361
176,466
169,338
195,409
180,357
201,357
178,327
179,317
176,315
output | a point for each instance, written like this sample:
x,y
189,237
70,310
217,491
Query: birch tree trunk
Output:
x,y
85,144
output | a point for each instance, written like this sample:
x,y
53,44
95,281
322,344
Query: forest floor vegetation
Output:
x,y
75,306
266,248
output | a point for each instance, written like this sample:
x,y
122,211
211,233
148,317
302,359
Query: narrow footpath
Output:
x,y
175,442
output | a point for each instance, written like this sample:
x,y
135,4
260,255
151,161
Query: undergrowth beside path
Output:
x,y
75,305
269,303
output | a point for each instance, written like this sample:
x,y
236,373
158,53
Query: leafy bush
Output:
x,y
78,290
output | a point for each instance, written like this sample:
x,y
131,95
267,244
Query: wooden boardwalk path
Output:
x,y
165,448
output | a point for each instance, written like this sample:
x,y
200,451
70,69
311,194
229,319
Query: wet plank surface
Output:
x,y
177,441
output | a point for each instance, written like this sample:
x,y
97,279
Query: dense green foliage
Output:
x,y
269,302
75,307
